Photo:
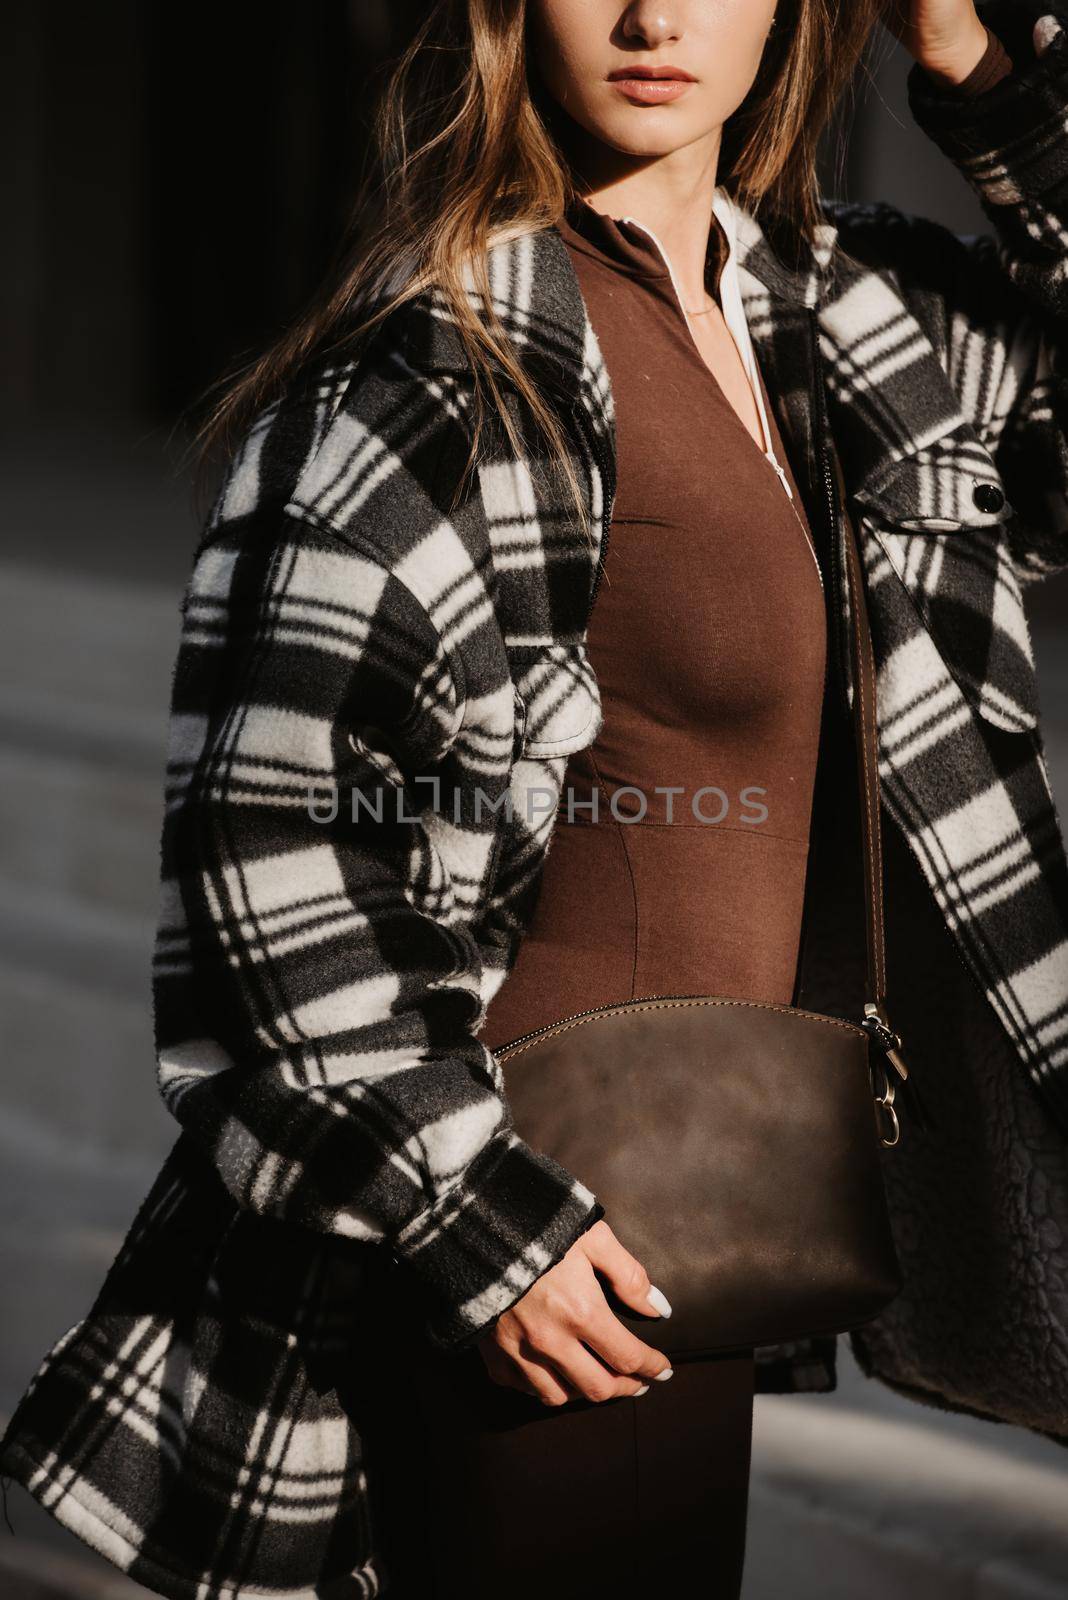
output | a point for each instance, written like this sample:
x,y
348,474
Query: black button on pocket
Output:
x,y
988,497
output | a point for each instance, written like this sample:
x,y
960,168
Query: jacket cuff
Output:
x,y
1022,105
1009,143
994,64
513,1215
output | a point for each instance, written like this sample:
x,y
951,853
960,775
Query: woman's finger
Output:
x,y
625,1273
547,1378
591,1378
622,1350
529,1374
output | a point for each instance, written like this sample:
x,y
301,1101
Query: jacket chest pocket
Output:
x,y
943,522
558,703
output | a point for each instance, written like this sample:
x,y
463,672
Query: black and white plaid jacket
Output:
x,y
349,636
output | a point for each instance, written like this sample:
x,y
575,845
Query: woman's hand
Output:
x,y
539,1344
945,36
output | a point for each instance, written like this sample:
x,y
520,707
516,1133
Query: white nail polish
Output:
x,y
660,1302
643,1390
662,1377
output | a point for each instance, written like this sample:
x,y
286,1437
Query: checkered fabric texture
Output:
x,y
368,674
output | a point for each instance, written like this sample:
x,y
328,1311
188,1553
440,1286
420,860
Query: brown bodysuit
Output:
x,y
707,637
708,640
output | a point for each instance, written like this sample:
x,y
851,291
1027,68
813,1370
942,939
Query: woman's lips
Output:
x,y
651,91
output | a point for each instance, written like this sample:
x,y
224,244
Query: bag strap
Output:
x,y
862,657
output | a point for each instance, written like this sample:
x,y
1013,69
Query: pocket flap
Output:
x,y
948,485
561,703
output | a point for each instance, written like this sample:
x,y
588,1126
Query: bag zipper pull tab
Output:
x,y
878,1027
888,1041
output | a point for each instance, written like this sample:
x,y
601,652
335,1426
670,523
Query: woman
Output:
x,y
343,1313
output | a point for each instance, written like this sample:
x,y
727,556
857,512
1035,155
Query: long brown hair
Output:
x,y
463,155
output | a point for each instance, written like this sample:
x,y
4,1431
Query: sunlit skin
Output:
x,y
657,163
653,155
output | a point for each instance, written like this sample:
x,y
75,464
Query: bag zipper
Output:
x,y
648,999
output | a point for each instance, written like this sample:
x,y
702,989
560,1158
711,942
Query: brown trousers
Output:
x,y
478,1490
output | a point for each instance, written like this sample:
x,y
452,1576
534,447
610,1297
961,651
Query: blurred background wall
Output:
x,y
175,182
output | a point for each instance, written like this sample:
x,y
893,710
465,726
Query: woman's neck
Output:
x,y
672,201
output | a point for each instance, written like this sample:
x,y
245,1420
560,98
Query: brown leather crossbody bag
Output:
x,y
735,1145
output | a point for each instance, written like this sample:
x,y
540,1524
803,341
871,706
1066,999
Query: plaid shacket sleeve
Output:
x,y
315,978
1005,294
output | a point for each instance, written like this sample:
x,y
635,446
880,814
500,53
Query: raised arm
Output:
x,y
996,304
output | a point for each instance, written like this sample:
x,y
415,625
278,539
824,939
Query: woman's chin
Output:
x,y
643,137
